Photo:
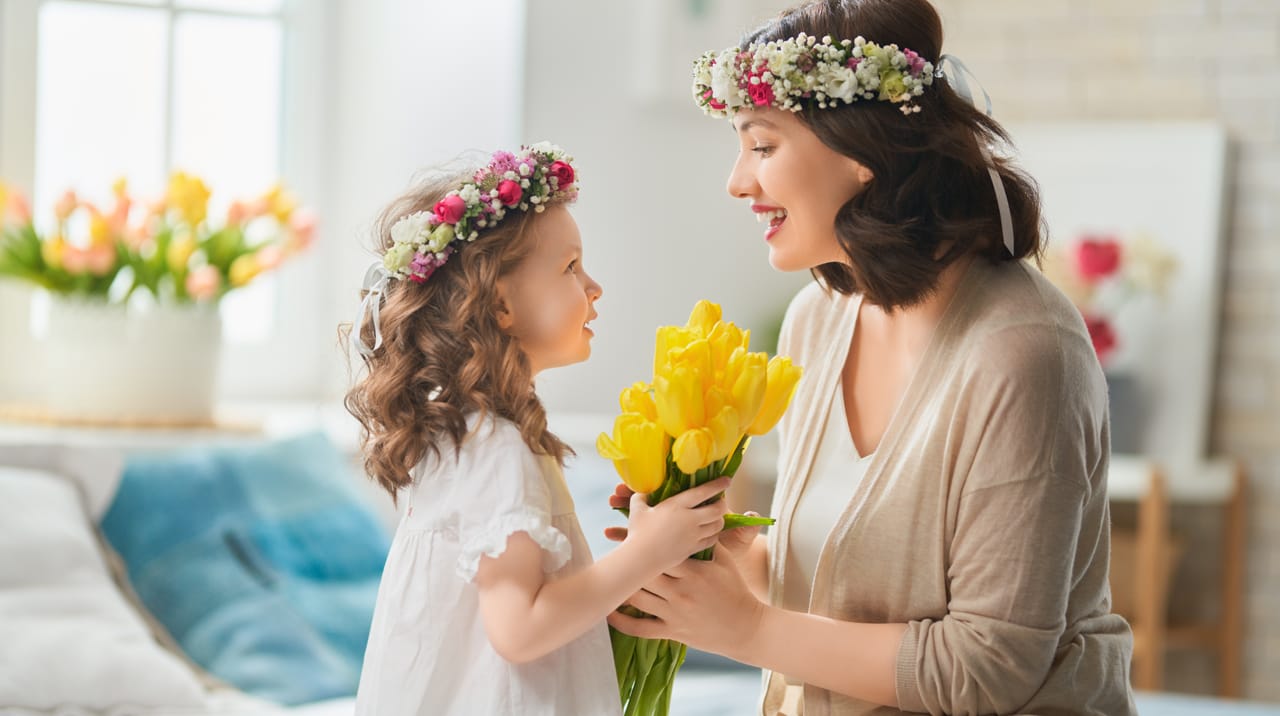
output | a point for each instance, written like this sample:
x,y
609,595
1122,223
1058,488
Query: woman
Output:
x,y
942,540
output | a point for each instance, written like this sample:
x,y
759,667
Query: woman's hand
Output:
x,y
705,604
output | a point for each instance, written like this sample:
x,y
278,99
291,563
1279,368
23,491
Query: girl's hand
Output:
x,y
736,541
706,605
676,528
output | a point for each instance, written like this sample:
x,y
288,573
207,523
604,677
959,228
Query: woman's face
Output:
x,y
796,184
549,299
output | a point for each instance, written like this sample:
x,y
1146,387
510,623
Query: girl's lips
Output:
x,y
774,227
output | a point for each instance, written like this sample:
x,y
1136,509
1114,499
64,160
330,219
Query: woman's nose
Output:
x,y
741,184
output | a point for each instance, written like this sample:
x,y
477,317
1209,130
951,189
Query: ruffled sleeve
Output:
x,y
502,490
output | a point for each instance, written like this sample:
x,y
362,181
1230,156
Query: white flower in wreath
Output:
x,y
843,84
723,86
411,229
470,193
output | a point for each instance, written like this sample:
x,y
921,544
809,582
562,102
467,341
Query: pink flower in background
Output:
x,y
269,257
302,230
203,283
19,208
66,205
1102,335
1097,258
509,192
95,260
237,213
450,209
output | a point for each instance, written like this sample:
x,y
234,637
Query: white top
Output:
x,y
428,653
837,470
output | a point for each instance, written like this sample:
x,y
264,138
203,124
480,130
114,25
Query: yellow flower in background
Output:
x,y
189,196
783,376
638,398
279,203
180,251
638,449
243,270
100,230
51,251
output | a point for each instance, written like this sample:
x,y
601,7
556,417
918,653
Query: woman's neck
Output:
x,y
910,328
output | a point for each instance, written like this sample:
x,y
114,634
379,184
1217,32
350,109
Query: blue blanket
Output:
x,y
262,560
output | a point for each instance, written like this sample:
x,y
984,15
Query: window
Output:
x,y
140,88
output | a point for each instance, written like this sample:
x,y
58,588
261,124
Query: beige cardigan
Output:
x,y
982,522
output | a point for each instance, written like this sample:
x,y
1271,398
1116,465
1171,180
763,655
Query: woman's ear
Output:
x,y
864,173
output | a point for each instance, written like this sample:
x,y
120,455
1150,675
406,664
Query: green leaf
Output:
x,y
734,520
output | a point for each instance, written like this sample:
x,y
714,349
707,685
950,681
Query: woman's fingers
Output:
x,y
643,628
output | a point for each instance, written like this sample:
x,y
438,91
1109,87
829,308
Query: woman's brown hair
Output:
x,y
932,200
443,355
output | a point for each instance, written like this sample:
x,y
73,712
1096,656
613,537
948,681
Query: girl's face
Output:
x,y
549,299
796,185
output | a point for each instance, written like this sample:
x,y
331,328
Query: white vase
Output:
x,y
136,364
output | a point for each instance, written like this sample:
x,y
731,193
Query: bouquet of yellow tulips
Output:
x,y
169,248
690,425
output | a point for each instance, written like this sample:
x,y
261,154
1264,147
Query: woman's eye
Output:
x,y
572,265
764,151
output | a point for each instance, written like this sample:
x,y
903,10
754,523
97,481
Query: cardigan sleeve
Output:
x,y
1030,432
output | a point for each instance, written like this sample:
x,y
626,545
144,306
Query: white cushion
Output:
x,y
68,637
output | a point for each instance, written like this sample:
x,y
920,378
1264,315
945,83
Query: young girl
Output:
x,y
490,603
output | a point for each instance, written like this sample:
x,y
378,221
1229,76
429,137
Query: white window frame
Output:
x,y
291,364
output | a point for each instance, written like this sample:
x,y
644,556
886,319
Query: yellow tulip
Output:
x,y
637,399
638,449
668,338
697,358
780,386
704,318
749,387
692,450
678,400
725,432
180,252
243,270
725,339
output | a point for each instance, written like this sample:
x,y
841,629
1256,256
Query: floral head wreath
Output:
x,y
422,242
803,71
790,73
538,175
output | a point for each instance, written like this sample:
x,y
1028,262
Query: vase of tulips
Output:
x,y
689,425
133,331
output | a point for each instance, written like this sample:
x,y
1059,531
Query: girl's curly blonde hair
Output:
x,y
443,355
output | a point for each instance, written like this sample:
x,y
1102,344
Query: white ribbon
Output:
x,y
375,284
956,74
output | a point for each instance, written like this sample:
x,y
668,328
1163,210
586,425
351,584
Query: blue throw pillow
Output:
x,y
262,560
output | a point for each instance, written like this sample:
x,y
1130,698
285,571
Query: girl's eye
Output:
x,y
572,265
764,151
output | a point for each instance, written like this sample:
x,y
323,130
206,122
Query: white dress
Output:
x,y
428,653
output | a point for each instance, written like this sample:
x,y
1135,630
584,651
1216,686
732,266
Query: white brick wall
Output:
x,y
1178,59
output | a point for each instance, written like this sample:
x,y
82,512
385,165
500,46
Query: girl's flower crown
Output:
x,y
788,73
536,176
